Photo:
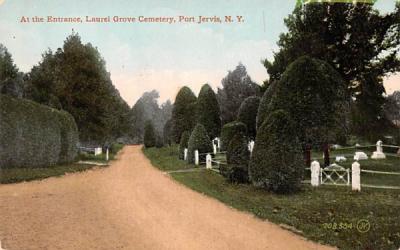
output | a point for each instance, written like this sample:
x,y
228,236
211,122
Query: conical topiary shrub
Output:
x,y
149,135
200,141
229,130
237,156
277,163
207,110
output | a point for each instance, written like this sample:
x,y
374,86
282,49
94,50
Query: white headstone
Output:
x,y
378,154
107,155
214,148
185,152
251,146
340,158
315,172
359,155
196,157
218,144
355,176
208,161
97,151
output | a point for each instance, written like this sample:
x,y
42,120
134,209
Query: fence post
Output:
x,y
196,157
355,176
315,169
185,152
218,144
214,148
208,161
107,154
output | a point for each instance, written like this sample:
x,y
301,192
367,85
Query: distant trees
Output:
x,y
357,41
183,112
150,136
236,87
147,108
11,80
208,113
392,106
248,114
74,78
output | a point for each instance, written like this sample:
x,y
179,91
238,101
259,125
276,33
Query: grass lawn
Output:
x,y
326,214
12,175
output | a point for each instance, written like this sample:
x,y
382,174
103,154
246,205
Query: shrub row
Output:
x,y
33,135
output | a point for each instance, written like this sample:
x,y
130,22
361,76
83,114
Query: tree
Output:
x,y
248,114
359,42
183,112
167,132
276,163
183,144
231,129
208,111
75,79
262,112
11,80
392,107
200,141
149,135
237,157
310,92
236,87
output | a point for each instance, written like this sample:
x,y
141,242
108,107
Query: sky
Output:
x,y
146,56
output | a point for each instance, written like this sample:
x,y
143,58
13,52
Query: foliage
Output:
x,y
149,135
74,78
229,130
237,156
33,135
236,87
311,92
277,162
11,80
183,112
358,41
248,114
207,110
263,107
159,141
167,132
200,141
147,108
183,144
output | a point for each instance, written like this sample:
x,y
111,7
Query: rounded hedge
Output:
x,y
183,144
149,138
183,112
200,141
248,114
277,161
229,130
237,157
311,92
208,112
34,135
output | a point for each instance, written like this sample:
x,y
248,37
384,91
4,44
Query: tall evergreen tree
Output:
x,y
208,112
183,112
11,80
355,39
236,87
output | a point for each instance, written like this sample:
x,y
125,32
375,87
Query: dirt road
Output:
x,y
129,205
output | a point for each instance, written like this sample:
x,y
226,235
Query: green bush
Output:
x,y
167,132
183,112
248,114
237,157
277,163
159,141
229,130
200,141
33,135
207,110
149,138
183,144
264,103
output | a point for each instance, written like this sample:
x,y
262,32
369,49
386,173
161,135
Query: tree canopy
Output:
x,y
183,112
208,113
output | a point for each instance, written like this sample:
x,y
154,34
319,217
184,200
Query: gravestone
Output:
x,y
355,176
378,154
359,155
315,173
